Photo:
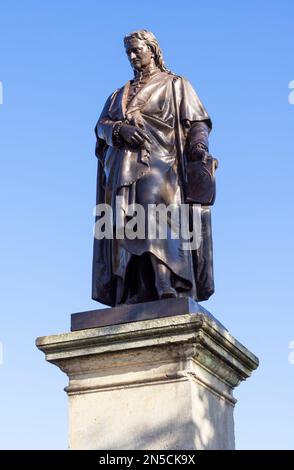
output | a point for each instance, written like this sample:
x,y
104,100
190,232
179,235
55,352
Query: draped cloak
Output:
x,y
148,178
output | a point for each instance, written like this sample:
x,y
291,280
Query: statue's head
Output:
x,y
142,49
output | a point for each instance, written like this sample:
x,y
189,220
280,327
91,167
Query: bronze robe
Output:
x,y
121,270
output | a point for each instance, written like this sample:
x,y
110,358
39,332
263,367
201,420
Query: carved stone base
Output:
x,y
162,383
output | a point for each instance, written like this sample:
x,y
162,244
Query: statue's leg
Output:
x,y
138,284
163,277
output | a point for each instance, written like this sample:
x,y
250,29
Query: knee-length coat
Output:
x,y
149,177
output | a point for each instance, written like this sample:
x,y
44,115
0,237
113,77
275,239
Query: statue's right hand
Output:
x,y
133,135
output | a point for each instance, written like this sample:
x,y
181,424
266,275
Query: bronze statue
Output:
x,y
152,149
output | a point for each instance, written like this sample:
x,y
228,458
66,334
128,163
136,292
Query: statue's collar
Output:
x,y
143,94
146,73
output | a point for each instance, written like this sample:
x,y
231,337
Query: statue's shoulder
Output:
x,y
182,83
120,89
169,75
174,77
113,96
115,92
180,79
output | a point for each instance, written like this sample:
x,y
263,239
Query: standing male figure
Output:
x,y
141,131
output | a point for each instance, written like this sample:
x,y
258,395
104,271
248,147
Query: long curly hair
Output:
x,y
151,41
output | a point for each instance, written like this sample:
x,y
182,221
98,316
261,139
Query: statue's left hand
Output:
x,y
199,152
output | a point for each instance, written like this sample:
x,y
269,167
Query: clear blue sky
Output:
x,y
58,63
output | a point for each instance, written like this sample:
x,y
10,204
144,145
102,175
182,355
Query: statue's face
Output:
x,y
139,54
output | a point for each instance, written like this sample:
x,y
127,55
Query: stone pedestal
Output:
x,y
163,383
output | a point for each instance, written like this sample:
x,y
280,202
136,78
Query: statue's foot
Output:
x,y
168,293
